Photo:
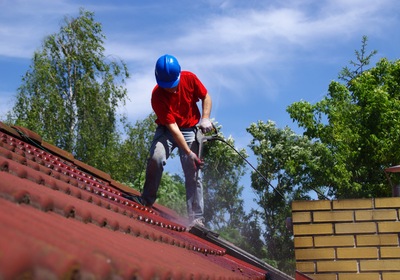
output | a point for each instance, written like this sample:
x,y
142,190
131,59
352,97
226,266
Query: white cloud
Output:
x,y
257,32
235,47
24,24
241,47
139,88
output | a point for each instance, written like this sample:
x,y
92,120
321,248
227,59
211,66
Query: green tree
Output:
x,y
134,151
223,170
250,238
172,193
72,91
363,59
358,123
224,212
285,161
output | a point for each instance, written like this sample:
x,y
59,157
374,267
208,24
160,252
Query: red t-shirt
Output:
x,y
179,107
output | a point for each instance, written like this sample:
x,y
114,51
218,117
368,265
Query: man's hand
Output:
x,y
206,125
197,163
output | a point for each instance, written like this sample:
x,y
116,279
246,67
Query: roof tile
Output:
x,y
61,218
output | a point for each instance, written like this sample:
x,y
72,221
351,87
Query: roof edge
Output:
x,y
25,134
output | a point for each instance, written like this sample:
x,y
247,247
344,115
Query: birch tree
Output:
x,y
72,90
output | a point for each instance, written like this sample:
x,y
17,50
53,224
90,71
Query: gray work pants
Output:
x,y
162,146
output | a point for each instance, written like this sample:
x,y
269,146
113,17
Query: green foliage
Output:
x,y
358,123
223,201
72,91
245,237
362,61
134,150
172,193
285,158
222,194
251,231
287,161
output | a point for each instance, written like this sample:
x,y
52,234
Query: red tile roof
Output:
x,y
63,219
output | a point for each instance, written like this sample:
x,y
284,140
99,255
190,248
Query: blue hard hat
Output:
x,y
168,71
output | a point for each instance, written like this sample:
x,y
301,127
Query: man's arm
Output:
x,y
180,141
205,123
178,136
206,107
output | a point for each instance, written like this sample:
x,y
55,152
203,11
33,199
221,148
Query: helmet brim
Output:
x,y
168,84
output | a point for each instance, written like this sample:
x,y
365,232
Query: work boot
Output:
x,y
137,199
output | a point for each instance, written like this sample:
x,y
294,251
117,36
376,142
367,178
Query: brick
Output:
x,y
305,267
387,227
348,228
352,204
380,265
311,205
390,253
303,242
337,266
359,276
301,217
333,216
325,276
391,276
334,241
315,254
312,229
357,253
387,202
377,240
376,215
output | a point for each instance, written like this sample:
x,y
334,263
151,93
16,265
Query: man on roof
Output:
x,y
174,101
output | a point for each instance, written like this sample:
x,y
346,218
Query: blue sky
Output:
x,y
254,57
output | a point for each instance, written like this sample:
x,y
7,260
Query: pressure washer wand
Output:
x,y
201,139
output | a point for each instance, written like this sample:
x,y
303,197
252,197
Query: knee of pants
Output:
x,y
156,162
158,158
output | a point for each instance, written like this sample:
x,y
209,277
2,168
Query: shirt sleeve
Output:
x,y
201,90
160,108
